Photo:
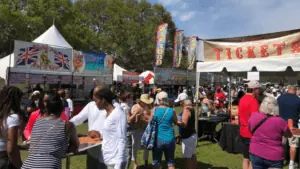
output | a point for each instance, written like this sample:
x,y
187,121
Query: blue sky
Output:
x,y
229,18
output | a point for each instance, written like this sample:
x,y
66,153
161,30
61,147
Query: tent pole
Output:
x,y
8,71
197,101
229,93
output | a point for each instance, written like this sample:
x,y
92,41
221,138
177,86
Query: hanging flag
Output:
x,y
178,45
192,52
161,35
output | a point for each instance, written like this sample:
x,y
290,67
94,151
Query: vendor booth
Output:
x,y
50,61
269,54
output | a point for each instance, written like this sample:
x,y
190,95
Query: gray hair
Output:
x,y
187,102
163,102
269,106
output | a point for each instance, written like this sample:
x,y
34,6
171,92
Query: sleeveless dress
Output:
x,y
47,148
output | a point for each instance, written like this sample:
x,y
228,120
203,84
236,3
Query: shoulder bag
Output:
x,y
259,124
32,147
150,134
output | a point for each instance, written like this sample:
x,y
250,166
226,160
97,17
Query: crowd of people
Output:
x,y
118,119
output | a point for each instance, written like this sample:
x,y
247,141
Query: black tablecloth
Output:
x,y
207,125
230,138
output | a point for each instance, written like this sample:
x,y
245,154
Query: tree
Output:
x,y
125,28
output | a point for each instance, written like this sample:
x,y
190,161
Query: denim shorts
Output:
x,y
261,163
168,148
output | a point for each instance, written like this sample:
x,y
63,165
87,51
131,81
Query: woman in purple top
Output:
x,y
266,148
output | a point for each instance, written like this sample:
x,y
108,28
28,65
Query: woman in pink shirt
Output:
x,y
34,116
267,128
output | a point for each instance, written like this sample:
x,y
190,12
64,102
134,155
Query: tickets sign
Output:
x,y
282,44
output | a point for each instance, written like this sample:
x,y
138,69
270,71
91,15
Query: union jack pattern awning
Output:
x,y
61,60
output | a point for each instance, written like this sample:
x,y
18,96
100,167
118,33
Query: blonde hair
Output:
x,y
269,106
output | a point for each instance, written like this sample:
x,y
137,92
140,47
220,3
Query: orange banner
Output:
x,y
270,45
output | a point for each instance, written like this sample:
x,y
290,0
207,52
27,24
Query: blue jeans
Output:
x,y
261,163
168,148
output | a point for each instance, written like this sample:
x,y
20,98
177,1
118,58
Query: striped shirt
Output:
x,y
47,147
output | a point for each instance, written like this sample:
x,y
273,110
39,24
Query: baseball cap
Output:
x,y
181,97
36,92
162,95
253,84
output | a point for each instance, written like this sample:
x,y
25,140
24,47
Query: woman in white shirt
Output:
x,y
9,118
114,130
126,100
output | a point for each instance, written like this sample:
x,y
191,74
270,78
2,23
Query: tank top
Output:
x,y
165,130
190,128
49,147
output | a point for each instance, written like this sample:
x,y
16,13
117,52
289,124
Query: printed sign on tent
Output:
x,y
179,77
36,79
163,76
17,78
43,57
52,79
91,62
89,80
281,44
66,79
78,80
253,76
130,77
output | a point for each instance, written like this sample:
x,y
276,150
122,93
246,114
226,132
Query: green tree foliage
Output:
x,y
125,28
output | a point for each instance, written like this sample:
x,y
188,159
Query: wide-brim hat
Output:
x,y
146,99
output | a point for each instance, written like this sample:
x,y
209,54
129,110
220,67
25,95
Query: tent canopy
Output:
x,y
50,37
53,37
118,71
262,65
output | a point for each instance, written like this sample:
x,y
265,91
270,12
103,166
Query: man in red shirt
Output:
x,y
248,105
220,98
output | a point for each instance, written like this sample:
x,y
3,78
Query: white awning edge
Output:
x,y
262,65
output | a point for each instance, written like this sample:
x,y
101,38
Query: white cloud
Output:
x,y
184,5
169,2
185,16
174,13
240,18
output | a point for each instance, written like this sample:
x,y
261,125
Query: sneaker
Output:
x,y
291,166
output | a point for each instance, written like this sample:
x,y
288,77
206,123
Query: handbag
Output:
x,y
149,136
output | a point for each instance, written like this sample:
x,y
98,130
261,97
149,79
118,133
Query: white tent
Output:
x,y
118,71
51,37
147,74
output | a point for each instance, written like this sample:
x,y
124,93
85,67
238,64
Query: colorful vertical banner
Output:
x,y
161,35
178,45
30,55
192,52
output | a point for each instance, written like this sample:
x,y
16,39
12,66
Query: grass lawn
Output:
x,y
209,155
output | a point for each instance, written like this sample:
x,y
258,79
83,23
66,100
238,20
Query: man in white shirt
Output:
x,y
96,120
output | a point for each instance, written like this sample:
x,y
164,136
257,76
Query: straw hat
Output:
x,y
146,99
